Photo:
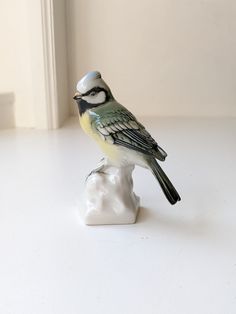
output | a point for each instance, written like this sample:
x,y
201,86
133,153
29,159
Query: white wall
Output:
x,y
160,57
23,62
15,58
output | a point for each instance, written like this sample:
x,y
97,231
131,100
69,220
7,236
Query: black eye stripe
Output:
x,y
94,89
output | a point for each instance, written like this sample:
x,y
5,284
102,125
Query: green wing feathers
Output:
x,y
118,126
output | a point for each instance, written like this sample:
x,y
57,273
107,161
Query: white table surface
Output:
x,y
175,260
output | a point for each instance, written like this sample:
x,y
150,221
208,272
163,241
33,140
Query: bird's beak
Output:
x,y
77,96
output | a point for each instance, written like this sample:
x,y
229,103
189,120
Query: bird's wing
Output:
x,y
118,126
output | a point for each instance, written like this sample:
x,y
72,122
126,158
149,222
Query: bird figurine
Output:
x,y
121,137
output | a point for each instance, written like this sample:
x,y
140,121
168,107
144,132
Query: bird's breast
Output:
x,y
85,122
110,150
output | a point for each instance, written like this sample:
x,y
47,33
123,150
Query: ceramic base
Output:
x,y
109,198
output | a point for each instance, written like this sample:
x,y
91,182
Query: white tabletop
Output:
x,y
175,260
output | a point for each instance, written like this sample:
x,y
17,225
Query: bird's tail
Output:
x,y
167,187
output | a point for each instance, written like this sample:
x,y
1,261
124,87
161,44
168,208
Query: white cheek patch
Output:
x,y
97,99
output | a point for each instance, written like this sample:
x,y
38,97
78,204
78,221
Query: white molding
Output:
x,y
49,60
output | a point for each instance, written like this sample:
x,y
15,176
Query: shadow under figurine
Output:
x,y
125,142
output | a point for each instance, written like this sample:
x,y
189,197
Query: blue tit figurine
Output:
x,y
121,137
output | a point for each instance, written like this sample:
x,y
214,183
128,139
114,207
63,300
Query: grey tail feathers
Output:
x,y
166,186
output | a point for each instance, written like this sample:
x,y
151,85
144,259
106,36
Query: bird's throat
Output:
x,y
83,106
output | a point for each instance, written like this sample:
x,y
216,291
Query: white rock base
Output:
x,y
109,197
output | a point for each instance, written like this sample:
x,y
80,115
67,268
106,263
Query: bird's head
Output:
x,y
92,91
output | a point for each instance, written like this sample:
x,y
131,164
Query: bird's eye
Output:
x,y
93,93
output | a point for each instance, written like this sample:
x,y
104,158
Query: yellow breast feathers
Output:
x,y
109,149
86,123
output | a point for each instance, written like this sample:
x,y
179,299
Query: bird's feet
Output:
x,y
99,169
